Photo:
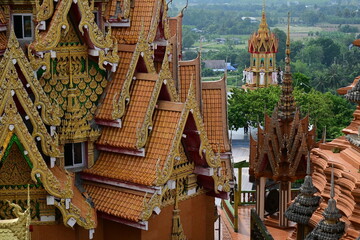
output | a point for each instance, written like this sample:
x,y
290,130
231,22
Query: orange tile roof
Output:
x,y
141,14
86,211
187,73
110,9
117,203
215,120
136,169
113,90
133,120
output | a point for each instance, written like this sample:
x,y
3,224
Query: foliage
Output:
x,y
281,35
348,29
246,108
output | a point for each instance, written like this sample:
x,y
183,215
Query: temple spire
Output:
x,y
287,102
263,27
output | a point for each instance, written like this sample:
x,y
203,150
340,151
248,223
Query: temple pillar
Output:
x,y
285,197
260,197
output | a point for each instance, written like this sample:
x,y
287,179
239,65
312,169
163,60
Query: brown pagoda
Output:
x,y
280,150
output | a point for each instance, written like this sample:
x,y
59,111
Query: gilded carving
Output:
x,y
14,55
74,212
45,10
59,25
19,227
12,123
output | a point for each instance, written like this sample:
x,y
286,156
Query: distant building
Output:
x,y
263,46
218,65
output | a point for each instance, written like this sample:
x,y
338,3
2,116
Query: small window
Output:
x,y
75,155
23,26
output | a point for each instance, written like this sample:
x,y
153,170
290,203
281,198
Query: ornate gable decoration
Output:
x,y
205,150
104,46
18,228
263,40
144,50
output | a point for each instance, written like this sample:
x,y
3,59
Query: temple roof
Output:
x,y
142,170
215,114
263,40
22,93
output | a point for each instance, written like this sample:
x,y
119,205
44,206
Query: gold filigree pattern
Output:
x,y
11,122
59,25
13,54
19,227
88,22
73,212
15,169
166,75
14,86
45,10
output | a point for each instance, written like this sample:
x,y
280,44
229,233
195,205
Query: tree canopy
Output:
x,y
247,108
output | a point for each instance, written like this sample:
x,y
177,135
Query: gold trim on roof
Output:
x,y
11,86
149,205
12,122
59,25
143,49
74,212
166,74
50,113
212,160
154,22
18,228
45,10
87,21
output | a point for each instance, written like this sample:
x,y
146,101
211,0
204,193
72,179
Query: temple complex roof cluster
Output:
x,y
106,122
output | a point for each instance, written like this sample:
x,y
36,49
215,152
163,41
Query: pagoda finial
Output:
x,y
287,102
263,7
332,194
308,170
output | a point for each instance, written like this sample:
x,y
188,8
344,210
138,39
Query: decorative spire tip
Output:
x,y
332,193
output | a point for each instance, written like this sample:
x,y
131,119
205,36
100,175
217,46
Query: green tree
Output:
x,y
281,35
247,108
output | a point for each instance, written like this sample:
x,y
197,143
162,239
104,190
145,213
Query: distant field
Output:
x,y
297,33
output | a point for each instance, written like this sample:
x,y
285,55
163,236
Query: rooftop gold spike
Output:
x,y
287,102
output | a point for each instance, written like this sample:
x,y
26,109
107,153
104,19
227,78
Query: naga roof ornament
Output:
x,y
103,45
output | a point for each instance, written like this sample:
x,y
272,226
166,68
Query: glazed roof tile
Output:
x,y
117,203
87,212
187,73
141,16
214,114
133,120
113,90
111,8
136,169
